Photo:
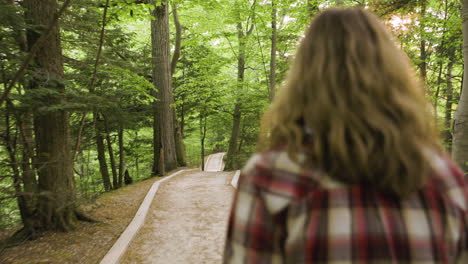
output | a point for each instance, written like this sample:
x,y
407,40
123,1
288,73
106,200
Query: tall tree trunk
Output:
x,y
202,140
121,156
178,39
442,52
56,204
115,180
436,95
10,144
163,126
422,44
98,125
449,100
29,175
273,50
182,120
460,128
231,156
157,143
26,195
232,149
29,197
179,142
137,157
102,153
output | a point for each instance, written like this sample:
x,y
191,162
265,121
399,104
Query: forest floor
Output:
x,y
89,242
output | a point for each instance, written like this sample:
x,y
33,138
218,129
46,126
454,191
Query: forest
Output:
x,y
99,94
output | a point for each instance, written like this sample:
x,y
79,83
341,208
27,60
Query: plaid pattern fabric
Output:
x,y
283,213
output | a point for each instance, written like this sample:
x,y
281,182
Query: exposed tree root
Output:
x,y
30,233
18,238
82,216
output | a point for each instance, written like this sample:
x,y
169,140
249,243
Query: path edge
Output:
x,y
116,252
235,179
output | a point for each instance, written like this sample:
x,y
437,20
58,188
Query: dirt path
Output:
x,y
215,162
187,220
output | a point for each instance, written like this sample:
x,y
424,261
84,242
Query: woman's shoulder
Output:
x,y
274,160
449,180
277,172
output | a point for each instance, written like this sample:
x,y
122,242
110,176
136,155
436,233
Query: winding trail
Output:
x,y
187,220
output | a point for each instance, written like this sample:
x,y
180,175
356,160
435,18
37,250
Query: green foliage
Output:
x,y
205,83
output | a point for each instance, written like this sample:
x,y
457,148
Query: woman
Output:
x,y
351,170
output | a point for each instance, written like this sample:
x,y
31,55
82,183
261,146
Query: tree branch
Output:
x,y
178,40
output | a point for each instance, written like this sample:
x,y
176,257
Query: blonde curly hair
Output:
x,y
353,103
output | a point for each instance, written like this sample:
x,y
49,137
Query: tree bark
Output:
x,y
232,149
27,140
102,153
163,127
115,180
56,186
422,44
10,144
441,50
111,156
178,39
25,182
231,156
460,128
179,142
121,156
449,100
202,140
436,95
273,51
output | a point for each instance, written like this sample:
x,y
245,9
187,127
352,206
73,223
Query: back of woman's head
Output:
x,y
356,93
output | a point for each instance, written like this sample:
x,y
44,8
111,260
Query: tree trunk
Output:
x,y
115,180
157,143
237,115
436,95
231,156
25,125
163,126
102,153
56,203
178,39
232,149
442,50
273,51
179,142
25,194
182,120
449,100
10,144
121,156
422,45
137,158
202,140
460,128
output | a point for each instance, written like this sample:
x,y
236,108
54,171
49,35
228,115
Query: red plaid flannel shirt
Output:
x,y
283,213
